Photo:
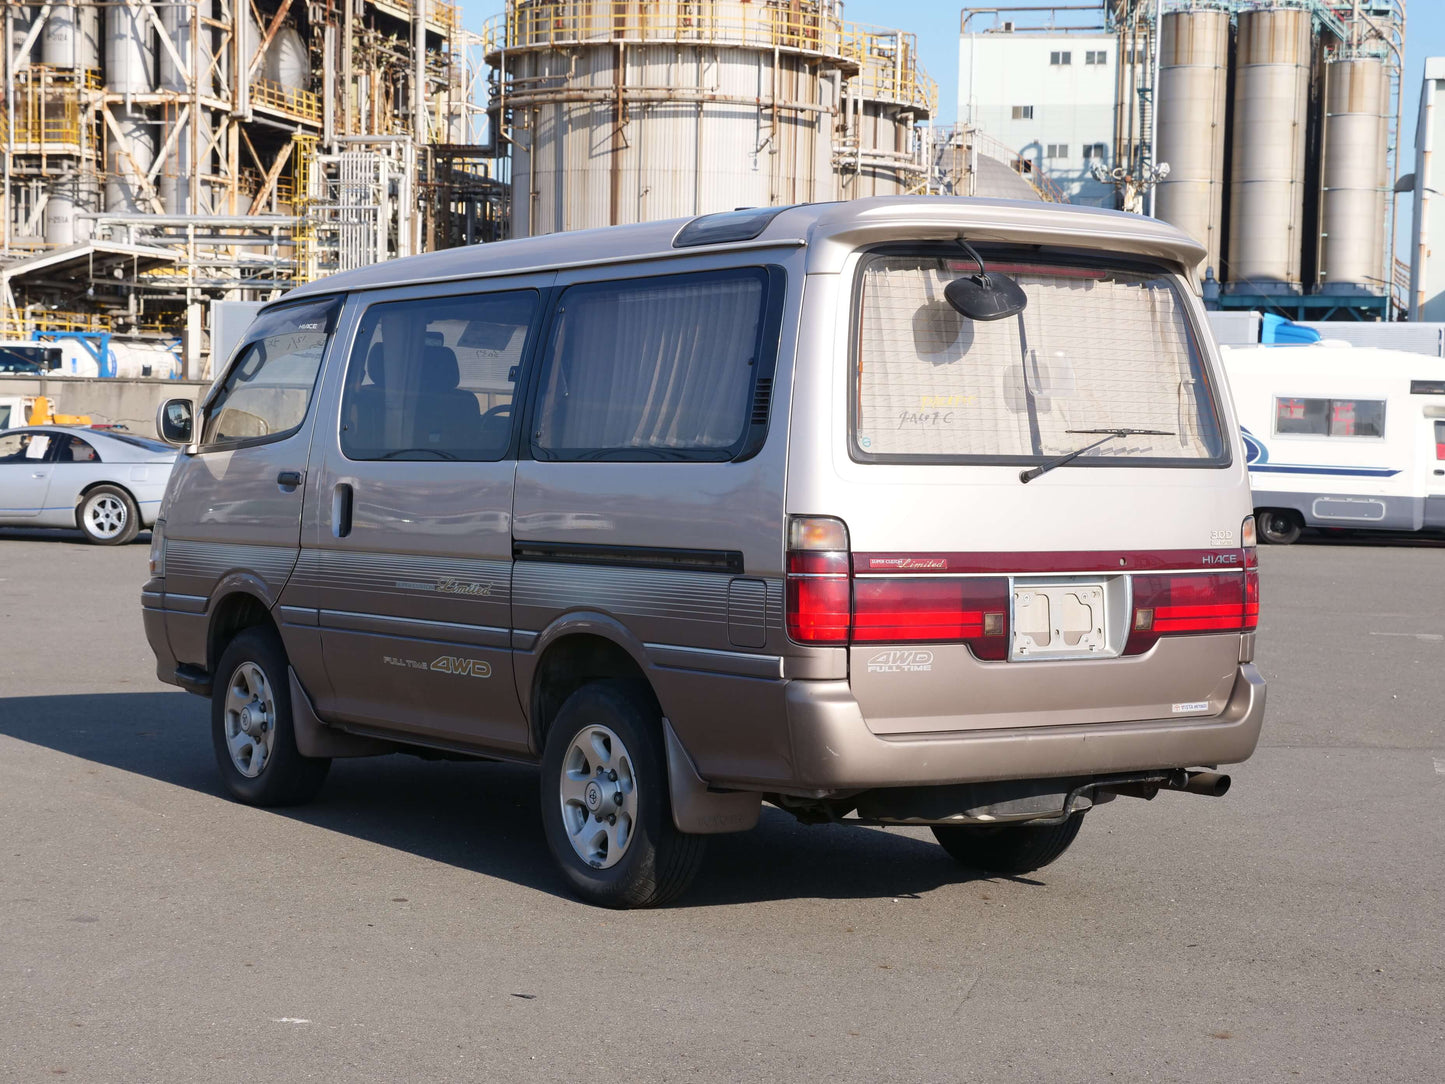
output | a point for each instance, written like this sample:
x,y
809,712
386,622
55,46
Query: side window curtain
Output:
x,y
267,392
435,378
659,368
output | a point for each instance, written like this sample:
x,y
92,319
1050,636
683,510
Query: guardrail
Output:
x,y
817,28
888,67
301,104
18,323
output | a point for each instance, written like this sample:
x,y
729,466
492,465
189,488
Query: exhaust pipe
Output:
x,y
1211,784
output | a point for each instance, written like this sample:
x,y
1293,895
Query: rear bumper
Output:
x,y
833,749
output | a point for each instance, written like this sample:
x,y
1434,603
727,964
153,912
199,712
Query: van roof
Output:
x,y
830,231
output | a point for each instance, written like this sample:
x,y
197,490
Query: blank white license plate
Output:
x,y
1063,621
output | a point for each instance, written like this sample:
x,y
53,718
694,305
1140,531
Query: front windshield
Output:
x,y
1096,349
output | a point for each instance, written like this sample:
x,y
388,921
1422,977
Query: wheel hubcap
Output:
x,y
599,796
105,516
250,719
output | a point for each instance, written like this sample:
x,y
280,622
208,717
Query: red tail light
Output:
x,y
1251,574
819,588
897,609
1197,602
827,606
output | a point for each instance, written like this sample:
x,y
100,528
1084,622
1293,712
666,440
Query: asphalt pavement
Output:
x,y
408,926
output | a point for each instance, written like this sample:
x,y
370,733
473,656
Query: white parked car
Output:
x,y
109,484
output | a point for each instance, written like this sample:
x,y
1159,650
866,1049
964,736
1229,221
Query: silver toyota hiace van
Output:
x,y
903,511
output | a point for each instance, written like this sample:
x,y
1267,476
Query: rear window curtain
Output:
x,y
662,365
1095,349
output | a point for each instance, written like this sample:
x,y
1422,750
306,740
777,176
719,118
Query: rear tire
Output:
x,y
606,810
1279,527
251,726
108,516
1008,848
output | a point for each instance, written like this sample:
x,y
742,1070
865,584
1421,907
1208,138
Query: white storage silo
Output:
x,y
189,154
1192,95
1356,183
71,37
637,111
68,196
1271,101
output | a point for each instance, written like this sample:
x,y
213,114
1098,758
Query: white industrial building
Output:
x,y
1049,96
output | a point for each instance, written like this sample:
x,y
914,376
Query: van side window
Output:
x,y
267,392
1329,417
435,378
656,368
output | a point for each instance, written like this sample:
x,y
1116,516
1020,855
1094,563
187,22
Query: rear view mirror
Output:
x,y
984,295
175,422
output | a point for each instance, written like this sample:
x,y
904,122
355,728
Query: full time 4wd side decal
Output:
x,y
444,664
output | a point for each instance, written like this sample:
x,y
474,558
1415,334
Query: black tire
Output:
x,y
1008,848
108,516
657,862
1278,527
284,776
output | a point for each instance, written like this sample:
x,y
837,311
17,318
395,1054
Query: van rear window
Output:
x,y
1096,348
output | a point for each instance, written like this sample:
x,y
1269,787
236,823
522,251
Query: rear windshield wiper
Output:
x,y
1107,435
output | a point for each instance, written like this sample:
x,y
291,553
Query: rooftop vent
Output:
x,y
718,229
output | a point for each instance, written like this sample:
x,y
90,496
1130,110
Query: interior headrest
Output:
x,y
439,370
376,364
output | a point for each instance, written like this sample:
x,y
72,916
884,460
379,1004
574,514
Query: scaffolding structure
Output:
x,y
259,143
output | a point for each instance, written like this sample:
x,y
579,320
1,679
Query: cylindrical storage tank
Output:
x,y
1271,99
188,154
125,168
881,104
1356,183
1193,80
21,20
70,196
883,152
131,359
71,38
287,61
698,84
130,50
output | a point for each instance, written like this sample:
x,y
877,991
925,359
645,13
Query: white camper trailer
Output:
x,y
1340,436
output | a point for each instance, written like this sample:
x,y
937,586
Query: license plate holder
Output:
x,y
1068,620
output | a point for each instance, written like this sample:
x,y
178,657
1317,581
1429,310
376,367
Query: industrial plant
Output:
x,y
160,156
1279,122
163,154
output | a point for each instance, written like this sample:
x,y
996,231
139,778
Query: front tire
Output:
x,y
1279,528
1008,848
251,725
605,805
108,516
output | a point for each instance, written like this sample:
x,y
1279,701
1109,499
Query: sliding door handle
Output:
x,y
341,510
290,479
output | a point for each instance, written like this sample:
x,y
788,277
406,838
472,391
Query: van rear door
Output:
x,y
1045,512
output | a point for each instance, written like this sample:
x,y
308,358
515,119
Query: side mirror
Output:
x,y
175,422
